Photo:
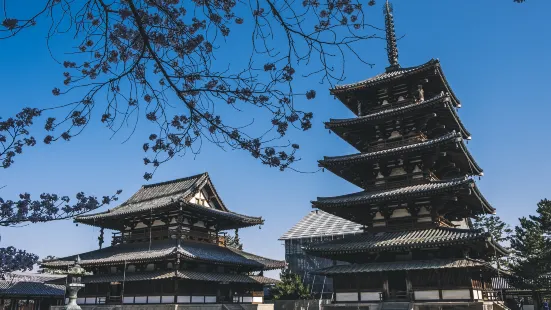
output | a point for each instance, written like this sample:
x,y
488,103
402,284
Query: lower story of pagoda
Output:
x,y
436,281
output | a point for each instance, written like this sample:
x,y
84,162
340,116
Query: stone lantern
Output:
x,y
74,284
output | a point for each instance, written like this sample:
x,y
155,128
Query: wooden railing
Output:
x,y
146,234
491,295
391,105
403,180
376,146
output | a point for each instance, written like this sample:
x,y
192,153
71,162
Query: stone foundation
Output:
x,y
168,307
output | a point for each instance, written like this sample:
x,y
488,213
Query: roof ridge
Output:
x,y
432,61
442,95
438,140
199,175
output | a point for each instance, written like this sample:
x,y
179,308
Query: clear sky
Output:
x,y
495,54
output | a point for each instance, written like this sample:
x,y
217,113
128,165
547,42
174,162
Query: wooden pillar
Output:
x,y
386,292
176,290
357,276
439,276
409,287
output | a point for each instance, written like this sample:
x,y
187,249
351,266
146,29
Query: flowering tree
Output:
x,y
157,60
14,136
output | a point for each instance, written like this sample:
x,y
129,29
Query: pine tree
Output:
x,y
531,243
290,287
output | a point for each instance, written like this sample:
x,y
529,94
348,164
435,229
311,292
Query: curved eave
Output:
x,y
498,248
484,203
240,220
332,163
475,168
250,261
382,78
323,253
326,203
342,125
233,220
65,263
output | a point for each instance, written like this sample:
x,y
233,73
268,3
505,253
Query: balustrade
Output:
x,y
389,144
154,234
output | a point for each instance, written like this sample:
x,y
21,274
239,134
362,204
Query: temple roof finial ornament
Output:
x,y
391,45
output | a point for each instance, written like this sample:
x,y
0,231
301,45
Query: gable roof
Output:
x,y
404,265
167,249
337,125
31,285
319,223
385,241
367,197
161,195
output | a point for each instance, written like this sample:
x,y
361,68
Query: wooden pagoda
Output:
x,y
168,249
418,194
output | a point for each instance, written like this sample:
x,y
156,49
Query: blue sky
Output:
x,y
495,54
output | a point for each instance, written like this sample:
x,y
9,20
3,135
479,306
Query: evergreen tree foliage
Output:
x,y
531,243
290,287
499,231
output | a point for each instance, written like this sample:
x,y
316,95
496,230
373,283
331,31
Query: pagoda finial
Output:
x,y
391,45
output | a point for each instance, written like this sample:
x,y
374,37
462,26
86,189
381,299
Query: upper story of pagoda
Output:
x,y
187,208
412,162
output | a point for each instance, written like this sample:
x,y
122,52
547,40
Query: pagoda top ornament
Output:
x,y
391,44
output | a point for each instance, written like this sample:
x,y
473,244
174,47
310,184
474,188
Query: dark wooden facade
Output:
x,y
418,193
169,246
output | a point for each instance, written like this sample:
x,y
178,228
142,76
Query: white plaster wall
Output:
x,y
128,300
258,300
200,195
400,213
423,211
427,295
364,296
456,294
346,296
90,300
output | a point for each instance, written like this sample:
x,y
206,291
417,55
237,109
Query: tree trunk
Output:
x,y
537,300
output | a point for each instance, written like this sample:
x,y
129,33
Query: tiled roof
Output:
x,y
383,114
30,285
402,265
160,195
181,274
385,241
319,223
365,197
143,252
385,76
452,137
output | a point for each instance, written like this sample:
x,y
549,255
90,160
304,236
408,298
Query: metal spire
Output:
x,y
391,46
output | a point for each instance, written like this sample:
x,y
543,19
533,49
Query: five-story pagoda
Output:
x,y
168,249
418,193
